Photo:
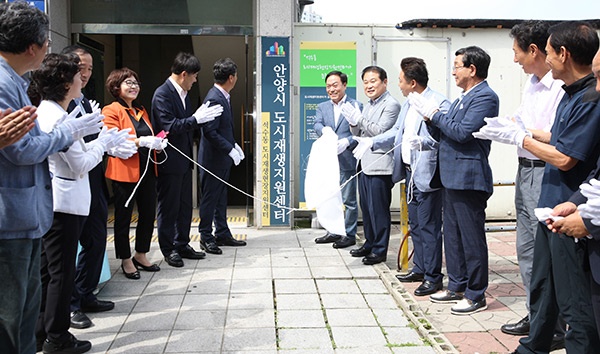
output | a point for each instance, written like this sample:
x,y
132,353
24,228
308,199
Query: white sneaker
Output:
x,y
468,307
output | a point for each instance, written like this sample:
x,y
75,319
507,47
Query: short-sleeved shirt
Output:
x,y
575,133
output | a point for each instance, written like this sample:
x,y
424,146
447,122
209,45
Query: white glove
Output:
x,y
503,130
327,130
591,210
351,113
591,190
204,113
415,142
85,125
124,150
343,144
110,138
364,144
235,156
240,151
153,142
426,107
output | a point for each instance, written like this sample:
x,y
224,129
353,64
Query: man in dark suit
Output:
x,y
172,111
329,114
466,177
93,235
416,159
218,151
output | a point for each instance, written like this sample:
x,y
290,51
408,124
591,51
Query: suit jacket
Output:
x,y
169,115
217,136
69,169
377,118
115,115
425,173
593,245
463,160
325,118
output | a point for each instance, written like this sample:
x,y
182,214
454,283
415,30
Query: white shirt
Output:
x,y
337,110
182,93
538,105
410,125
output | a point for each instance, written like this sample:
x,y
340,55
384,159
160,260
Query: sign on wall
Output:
x,y
275,127
38,4
316,60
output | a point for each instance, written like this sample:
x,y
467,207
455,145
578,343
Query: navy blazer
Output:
x,y
169,115
217,136
463,159
593,245
325,118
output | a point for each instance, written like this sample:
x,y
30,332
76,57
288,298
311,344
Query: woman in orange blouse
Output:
x,y
125,112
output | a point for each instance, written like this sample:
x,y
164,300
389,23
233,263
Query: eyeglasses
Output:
x,y
456,68
132,83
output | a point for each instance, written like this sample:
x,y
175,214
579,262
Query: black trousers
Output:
x,y
213,206
596,300
560,283
375,197
93,243
145,199
174,210
59,250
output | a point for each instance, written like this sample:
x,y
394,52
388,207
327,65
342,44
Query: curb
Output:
x,y
413,311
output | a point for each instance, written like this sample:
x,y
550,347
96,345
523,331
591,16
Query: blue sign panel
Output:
x,y
275,128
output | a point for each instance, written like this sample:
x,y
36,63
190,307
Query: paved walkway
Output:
x,y
284,293
281,293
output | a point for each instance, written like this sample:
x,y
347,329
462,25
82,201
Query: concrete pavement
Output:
x,y
281,293
284,293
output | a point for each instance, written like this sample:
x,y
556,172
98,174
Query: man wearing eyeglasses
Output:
x,y
172,111
466,177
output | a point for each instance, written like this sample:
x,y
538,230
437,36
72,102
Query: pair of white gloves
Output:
x,y
366,143
237,154
91,123
504,130
591,209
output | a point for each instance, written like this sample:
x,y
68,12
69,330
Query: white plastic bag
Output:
x,y
322,184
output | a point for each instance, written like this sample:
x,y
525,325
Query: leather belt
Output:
x,y
531,163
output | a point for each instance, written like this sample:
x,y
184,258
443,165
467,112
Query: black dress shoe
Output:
x,y
520,328
428,288
411,277
372,258
359,252
344,242
328,238
150,268
72,346
190,253
133,275
174,259
558,342
210,247
230,241
80,320
97,306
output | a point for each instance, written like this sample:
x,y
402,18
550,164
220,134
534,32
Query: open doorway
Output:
x,y
151,57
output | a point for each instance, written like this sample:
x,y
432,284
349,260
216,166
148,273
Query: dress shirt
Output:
x,y
182,93
538,105
337,110
225,93
410,125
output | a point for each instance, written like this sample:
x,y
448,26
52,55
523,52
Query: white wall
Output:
x,y
386,46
